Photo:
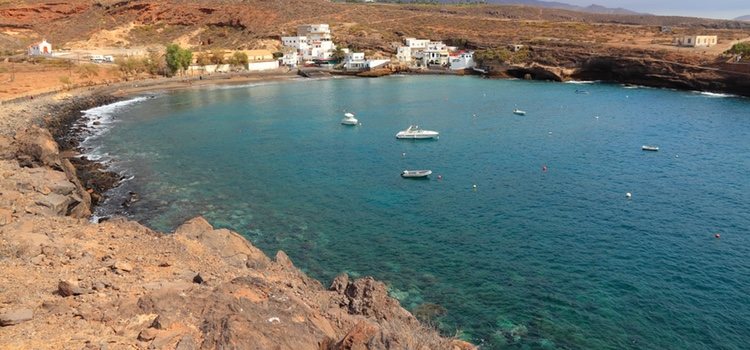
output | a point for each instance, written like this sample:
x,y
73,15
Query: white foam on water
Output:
x,y
580,82
98,121
714,94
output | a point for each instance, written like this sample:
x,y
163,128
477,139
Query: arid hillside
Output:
x,y
246,24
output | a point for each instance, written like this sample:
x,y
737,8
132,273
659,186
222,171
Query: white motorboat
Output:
x,y
414,132
416,173
349,119
519,112
650,148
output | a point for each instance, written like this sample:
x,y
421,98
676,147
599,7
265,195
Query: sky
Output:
x,y
726,9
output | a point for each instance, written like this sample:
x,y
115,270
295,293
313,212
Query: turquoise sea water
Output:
x,y
531,259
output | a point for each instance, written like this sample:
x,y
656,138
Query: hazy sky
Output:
x,y
696,8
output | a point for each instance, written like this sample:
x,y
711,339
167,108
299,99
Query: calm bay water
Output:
x,y
555,259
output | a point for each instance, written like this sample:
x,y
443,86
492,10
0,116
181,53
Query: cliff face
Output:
x,y
69,283
648,69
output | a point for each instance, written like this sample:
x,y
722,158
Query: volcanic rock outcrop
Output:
x,y
68,283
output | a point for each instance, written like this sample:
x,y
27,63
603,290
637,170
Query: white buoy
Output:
x,y
628,195
677,156
549,133
474,187
597,117
403,154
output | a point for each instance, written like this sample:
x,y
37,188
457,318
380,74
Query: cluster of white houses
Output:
x,y
426,53
313,44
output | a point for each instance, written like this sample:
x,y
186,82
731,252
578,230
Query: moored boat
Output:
x,y
649,148
414,132
416,174
349,119
519,112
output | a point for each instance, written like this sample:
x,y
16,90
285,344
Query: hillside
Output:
x,y
743,18
554,37
245,24
547,4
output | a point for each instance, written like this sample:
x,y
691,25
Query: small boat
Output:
x,y
582,92
519,112
414,132
349,119
650,148
416,174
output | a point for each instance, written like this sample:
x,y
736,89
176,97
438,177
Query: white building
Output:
x,y
436,53
372,64
256,66
355,61
416,43
462,60
313,41
290,58
403,54
42,48
298,43
697,40
423,52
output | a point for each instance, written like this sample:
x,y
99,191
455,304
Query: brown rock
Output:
x,y
283,260
163,339
7,148
63,187
38,144
340,283
358,337
162,322
148,334
6,216
13,317
458,344
68,288
186,343
122,266
236,249
83,208
368,297
56,202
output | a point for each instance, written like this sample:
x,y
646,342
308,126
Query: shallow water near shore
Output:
x,y
531,258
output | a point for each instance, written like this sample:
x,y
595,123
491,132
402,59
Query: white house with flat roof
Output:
x,y
416,43
697,40
290,57
260,60
42,48
461,60
403,54
355,61
436,53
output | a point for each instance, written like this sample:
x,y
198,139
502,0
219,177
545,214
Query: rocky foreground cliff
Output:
x,y
67,283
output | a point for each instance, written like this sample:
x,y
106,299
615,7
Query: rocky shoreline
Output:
x,y
66,282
